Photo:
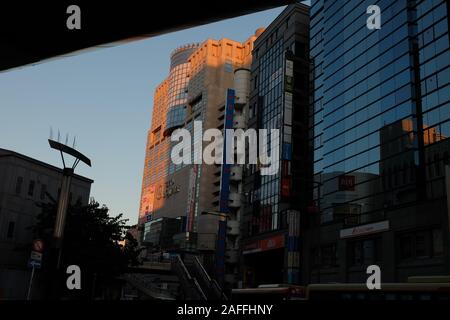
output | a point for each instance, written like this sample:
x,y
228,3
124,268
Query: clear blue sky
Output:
x,y
104,97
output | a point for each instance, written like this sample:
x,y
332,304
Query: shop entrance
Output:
x,y
265,267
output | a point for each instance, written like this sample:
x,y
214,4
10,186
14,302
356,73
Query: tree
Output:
x,y
91,241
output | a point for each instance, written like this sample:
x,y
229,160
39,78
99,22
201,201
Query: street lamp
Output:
x,y
63,200
221,244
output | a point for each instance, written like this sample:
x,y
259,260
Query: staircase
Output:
x,y
195,282
190,287
209,286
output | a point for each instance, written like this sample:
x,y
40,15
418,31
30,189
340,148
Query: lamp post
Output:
x,y
64,198
221,244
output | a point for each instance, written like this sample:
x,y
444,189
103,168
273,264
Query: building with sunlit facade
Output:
x,y
196,90
162,195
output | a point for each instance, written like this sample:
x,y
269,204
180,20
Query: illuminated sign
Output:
x,y
347,183
271,243
365,229
167,189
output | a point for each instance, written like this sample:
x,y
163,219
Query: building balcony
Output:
x,y
242,86
234,200
233,227
232,256
236,173
239,122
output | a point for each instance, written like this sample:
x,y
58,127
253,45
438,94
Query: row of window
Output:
x,y
30,189
423,244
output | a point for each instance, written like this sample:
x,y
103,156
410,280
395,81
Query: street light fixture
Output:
x,y
63,200
215,213
221,244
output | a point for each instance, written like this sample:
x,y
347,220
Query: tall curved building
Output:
x,y
169,108
178,81
196,93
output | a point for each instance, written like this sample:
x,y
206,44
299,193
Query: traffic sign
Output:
x,y
36,256
35,264
35,259
38,245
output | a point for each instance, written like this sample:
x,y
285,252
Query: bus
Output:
x,y
272,292
416,289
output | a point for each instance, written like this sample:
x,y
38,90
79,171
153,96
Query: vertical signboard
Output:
x,y
151,199
286,153
225,175
224,189
147,203
190,207
293,251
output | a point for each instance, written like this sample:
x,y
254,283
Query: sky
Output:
x,y
103,97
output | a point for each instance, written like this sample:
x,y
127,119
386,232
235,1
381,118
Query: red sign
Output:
x,y
346,183
285,186
38,245
271,243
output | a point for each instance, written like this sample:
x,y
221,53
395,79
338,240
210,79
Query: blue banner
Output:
x,y
224,190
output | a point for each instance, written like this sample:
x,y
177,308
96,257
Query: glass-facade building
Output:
x,y
380,118
278,100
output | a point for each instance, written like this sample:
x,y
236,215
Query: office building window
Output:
x,y
327,257
364,252
19,185
43,191
420,244
437,242
31,188
10,231
228,66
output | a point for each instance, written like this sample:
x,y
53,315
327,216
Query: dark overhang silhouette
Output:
x,y
34,31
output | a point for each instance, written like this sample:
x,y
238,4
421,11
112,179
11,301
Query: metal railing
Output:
x,y
214,290
189,285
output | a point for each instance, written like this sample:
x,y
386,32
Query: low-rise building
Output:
x,y
25,182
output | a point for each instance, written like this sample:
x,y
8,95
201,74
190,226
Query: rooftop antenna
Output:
x,y
74,142
67,139
51,133
59,135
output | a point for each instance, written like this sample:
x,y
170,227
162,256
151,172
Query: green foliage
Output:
x,y
91,240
